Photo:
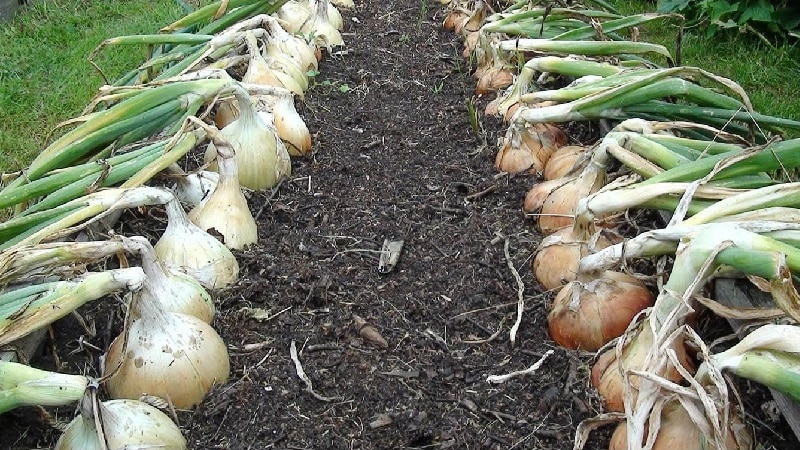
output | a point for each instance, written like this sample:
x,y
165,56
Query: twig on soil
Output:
x,y
475,311
479,195
494,335
520,292
497,379
269,197
302,375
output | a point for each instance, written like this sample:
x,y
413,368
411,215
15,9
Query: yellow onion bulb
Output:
x,y
591,311
173,356
177,291
226,112
607,378
126,424
494,79
295,47
258,159
192,188
325,33
291,128
677,430
455,20
187,248
528,147
294,14
559,254
538,193
564,161
558,209
226,210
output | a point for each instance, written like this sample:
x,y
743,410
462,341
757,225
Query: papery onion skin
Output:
x,y
558,257
606,306
186,247
678,432
606,376
127,424
562,161
539,192
176,357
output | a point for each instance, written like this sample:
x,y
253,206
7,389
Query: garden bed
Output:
x,y
395,157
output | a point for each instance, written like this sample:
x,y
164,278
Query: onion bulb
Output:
x,y
127,424
226,210
528,147
282,73
177,291
593,310
334,16
176,357
564,161
291,128
558,209
259,161
606,376
297,48
294,14
539,192
192,188
319,24
559,254
455,20
677,430
189,249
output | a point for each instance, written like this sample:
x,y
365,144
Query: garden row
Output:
x,y
676,139
224,77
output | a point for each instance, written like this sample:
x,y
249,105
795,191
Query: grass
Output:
x,y
44,75
769,75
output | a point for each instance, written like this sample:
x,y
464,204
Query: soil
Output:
x,y
395,158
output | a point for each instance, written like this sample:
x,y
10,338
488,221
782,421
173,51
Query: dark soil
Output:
x,y
395,158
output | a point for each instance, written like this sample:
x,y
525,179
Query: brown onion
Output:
x,y
677,431
539,192
558,256
528,147
494,79
558,210
563,160
607,378
589,313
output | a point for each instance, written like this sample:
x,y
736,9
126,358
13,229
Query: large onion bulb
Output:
x,y
592,310
173,356
188,248
127,424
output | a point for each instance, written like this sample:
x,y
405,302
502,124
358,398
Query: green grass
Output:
x,y
770,76
44,75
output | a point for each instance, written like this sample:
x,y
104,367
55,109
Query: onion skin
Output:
x,y
606,376
559,255
562,161
605,307
529,147
678,432
538,193
176,357
493,80
127,424
558,210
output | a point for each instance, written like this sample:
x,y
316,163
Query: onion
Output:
x,y
606,376
324,31
295,47
192,188
260,162
294,14
226,210
291,128
176,357
280,72
179,292
538,193
564,161
455,20
127,424
558,209
529,147
677,431
559,255
189,249
589,313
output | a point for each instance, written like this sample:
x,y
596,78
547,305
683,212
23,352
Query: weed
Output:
x,y
437,88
